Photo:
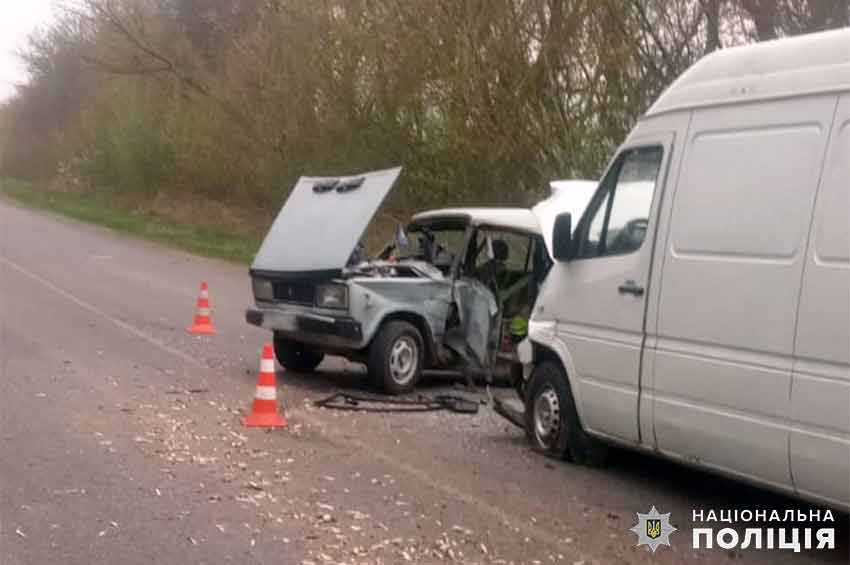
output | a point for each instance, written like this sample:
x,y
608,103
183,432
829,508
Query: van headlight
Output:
x,y
332,296
262,289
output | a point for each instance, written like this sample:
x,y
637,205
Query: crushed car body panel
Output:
x,y
380,298
478,310
328,214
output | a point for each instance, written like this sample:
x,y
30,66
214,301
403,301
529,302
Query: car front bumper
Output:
x,y
337,332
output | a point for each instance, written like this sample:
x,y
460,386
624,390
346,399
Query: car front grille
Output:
x,y
296,293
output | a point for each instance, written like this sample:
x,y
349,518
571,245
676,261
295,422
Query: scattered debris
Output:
x,y
70,491
187,391
511,410
366,403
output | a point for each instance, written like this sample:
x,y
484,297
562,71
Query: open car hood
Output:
x,y
321,223
571,196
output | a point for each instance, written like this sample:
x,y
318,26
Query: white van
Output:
x,y
700,306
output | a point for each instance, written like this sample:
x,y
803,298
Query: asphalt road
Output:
x,y
120,440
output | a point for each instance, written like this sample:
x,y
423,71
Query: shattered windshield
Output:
x,y
437,245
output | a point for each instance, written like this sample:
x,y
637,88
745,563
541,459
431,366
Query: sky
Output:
x,y
18,18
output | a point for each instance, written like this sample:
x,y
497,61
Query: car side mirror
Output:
x,y
562,232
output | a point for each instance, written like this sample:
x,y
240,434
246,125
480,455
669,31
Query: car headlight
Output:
x,y
332,296
262,289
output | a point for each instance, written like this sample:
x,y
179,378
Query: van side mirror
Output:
x,y
562,233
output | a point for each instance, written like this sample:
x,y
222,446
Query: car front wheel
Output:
x,y
396,356
296,356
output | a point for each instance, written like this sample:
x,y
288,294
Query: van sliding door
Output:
x,y
732,266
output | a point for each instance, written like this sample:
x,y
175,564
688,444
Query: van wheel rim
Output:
x,y
547,417
404,360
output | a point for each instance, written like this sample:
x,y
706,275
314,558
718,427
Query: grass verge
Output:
x,y
102,210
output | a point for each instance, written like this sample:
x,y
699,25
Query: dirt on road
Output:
x,y
121,440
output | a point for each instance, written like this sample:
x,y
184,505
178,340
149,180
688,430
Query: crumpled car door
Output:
x,y
474,339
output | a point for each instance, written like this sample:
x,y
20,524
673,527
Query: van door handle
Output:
x,y
630,287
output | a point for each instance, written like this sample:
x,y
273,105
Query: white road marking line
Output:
x,y
98,312
532,532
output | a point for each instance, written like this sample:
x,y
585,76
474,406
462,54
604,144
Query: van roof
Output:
x,y
807,64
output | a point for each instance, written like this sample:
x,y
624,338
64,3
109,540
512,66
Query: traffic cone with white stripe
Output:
x,y
264,412
203,322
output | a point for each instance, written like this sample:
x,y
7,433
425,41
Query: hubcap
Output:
x,y
404,360
547,417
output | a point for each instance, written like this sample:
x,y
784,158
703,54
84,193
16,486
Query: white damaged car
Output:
x,y
454,290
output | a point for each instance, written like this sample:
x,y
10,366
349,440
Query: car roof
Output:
x,y
803,65
520,219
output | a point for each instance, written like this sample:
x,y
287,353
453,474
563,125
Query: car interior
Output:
x,y
512,267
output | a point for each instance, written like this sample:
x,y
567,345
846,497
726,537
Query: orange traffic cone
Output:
x,y
264,411
203,321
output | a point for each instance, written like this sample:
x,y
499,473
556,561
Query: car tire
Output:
x,y
396,357
551,419
296,356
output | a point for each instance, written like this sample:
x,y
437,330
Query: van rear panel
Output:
x,y
820,399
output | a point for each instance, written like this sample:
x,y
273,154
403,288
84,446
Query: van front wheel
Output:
x,y
551,420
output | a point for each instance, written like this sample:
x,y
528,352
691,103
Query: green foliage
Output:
x,y
102,209
126,143
482,101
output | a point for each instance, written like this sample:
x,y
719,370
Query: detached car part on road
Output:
x,y
448,294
